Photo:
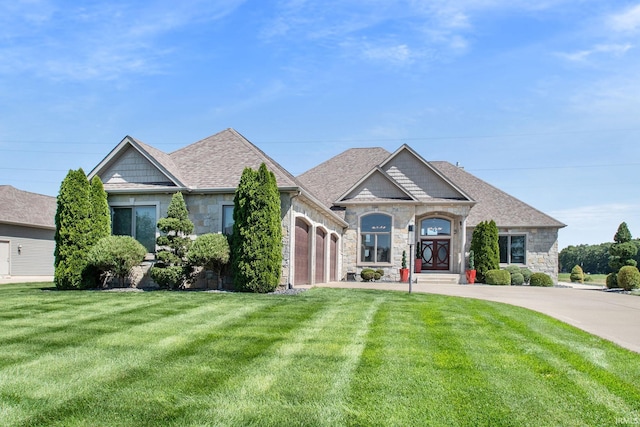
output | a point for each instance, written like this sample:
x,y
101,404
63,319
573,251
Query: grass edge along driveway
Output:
x,y
323,357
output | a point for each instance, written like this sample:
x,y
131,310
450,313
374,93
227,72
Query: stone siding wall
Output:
x,y
402,216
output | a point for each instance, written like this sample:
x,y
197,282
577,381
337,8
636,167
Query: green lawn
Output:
x,y
323,357
595,279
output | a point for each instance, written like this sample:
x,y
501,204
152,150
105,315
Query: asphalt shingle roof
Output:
x,y
25,208
329,180
219,160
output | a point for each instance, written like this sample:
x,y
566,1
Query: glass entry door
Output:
x,y
435,254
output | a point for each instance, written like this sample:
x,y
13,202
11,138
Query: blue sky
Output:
x,y
541,99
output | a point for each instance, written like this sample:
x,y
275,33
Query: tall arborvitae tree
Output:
x,y
176,227
486,249
73,234
100,212
257,232
100,217
621,253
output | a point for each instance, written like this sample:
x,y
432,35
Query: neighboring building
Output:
x,y
27,230
351,212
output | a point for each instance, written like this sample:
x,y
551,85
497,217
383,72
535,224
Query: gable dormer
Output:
x,y
419,178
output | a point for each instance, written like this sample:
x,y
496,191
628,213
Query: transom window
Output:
x,y
512,248
375,238
138,222
435,227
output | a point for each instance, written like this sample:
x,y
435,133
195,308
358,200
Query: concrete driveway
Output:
x,y
613,316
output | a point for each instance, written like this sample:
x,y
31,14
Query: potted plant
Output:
x,y
404,271
418,266
471,272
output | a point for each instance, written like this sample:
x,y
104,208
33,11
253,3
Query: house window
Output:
x,y
227,220
512,249
435,227
138,222
375,239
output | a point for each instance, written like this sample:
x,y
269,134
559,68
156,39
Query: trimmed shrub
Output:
x,y
541,279
526,273
116,255
497,277
512,269
369,274
210,251
167,276
612,281
517,279
629,278
577,275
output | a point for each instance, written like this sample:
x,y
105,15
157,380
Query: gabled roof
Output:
x,y
24,208
333,178
161,169
219,160
377,186
344,174
493,203
214,163
347,178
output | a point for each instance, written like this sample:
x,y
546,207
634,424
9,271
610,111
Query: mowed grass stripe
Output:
x,y
305,377
77,371
324,357
571,379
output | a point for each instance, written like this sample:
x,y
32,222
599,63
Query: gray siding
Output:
x,y
36,255
132,167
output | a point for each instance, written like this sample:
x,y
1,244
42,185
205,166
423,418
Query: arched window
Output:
x,y
435,227
375,238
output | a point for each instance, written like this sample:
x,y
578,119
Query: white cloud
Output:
x,y
101,41
627,21
398,54
616,50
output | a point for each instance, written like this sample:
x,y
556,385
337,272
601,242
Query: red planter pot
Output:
x,y
418,266
404,275
471,276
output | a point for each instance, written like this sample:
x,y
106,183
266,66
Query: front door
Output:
x,y
435,254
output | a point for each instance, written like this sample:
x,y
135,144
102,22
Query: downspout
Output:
x,y
292,229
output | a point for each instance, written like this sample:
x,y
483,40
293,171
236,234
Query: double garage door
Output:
x,y
325,255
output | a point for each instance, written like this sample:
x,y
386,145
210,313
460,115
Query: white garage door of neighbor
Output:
x,y
4,258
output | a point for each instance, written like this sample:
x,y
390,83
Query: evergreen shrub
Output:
x,y
628,278
517,279
484,243
497,277
541,279
577,275
210,251
116,255
526,273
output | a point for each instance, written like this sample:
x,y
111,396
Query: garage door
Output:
x,y
320,255
301,254
4,258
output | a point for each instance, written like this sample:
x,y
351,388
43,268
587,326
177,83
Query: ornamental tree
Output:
x,y
621,253
171,268
256,243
